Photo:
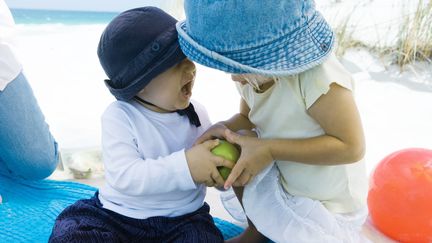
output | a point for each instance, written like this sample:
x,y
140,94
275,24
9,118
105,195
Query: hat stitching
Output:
x,y
312,57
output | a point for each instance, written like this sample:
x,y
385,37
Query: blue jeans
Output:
x,y
27,148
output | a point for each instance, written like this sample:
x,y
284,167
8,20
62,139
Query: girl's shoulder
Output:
x,y
330,71
317,80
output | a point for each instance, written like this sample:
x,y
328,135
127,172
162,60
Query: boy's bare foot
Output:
x,y
249,236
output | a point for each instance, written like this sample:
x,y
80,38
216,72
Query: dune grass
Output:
x,y
413,43
344,35
415,36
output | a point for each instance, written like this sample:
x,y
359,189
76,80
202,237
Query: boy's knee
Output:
x,y
72,230
201,233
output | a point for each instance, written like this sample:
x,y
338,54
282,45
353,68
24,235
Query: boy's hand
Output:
x,y
254,157
203,164
215,131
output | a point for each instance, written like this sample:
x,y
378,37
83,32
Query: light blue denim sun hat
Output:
x,y
267,37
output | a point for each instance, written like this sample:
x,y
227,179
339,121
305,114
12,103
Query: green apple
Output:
x,y
227,151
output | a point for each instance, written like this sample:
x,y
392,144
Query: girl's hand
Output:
x,y
215,131
254,157
203,164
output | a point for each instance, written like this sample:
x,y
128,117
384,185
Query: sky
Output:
x,y
88,5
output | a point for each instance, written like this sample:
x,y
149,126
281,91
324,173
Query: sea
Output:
x,y
37,16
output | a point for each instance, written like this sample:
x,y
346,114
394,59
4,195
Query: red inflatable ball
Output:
x,y
400,195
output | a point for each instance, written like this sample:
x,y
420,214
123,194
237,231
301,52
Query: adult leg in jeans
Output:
x,y
27,148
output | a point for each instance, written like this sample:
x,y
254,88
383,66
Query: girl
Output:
x,y
304,176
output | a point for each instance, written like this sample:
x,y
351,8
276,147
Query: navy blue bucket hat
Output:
x,y
135,47
267,37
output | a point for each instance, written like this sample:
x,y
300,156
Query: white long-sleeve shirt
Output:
x,y
10,67
146,170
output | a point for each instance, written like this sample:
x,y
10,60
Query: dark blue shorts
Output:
x,y
87,221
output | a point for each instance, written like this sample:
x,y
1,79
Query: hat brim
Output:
x,y
302,49
169,58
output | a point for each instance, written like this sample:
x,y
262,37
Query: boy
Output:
x,y
155,178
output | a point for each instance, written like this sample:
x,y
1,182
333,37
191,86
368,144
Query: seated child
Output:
x,y
155,178
304,177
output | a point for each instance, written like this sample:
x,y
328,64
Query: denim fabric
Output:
x,y
27,148
264,37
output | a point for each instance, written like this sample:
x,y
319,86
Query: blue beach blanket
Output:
x,y
30,208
